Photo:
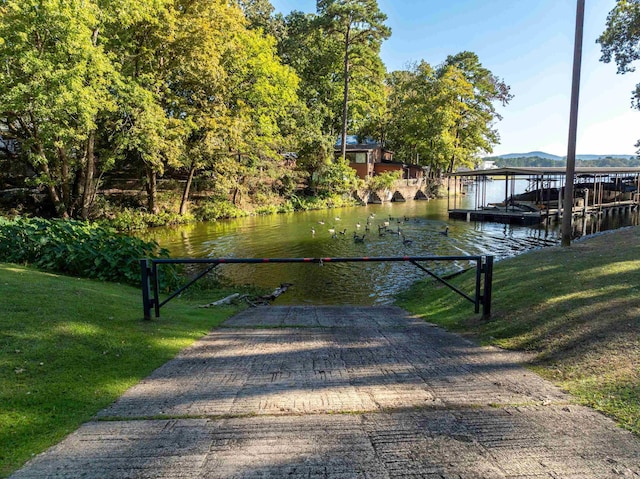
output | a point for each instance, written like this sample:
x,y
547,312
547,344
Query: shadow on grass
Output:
x,y
577,308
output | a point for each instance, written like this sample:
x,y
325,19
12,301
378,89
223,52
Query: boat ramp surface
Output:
x,y
341,392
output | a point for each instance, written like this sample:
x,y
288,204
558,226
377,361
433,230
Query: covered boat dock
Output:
x,y
597,190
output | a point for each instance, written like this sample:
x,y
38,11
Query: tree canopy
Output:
x,y
248,102
621,41
155,84
443,117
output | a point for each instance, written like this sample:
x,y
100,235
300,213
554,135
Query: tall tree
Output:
x,y
621,42
474,130
259,14
138,36
359,27
316,59
444,117
56,80
203,88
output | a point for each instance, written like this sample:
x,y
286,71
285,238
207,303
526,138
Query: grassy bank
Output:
x,y
577,309
69,347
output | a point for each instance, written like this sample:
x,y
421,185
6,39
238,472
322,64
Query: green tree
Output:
x,y
621,41
138,36
56,80
358,26
259,14
473,129
444,117
201,92
316,58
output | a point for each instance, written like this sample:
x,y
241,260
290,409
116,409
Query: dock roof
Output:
x,y
542,171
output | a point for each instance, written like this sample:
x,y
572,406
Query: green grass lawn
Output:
x,y
69,347
576,309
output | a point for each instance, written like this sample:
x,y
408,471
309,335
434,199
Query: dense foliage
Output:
x,y
621,41
226,99
443,117
76,248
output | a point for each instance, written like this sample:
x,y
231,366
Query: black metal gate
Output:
x,y
151,288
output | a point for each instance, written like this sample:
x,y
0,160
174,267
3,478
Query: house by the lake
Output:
x,y
369,159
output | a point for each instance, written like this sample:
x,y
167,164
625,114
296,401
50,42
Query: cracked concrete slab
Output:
x,y
341,392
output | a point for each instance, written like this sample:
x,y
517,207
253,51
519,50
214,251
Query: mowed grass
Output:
x,y
69,347
576,309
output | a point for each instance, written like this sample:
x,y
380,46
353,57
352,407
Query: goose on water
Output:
x,y
358,238
406,241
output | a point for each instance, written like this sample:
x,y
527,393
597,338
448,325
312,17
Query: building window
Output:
x,y
356,157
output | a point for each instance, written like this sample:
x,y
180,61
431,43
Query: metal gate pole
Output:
x,y
477,297
156,287
146,288
488,280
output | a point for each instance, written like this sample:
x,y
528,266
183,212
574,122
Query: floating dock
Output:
x,y
597,191
497,216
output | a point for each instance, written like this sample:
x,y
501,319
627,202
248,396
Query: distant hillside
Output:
x,y
531,154
601,157
542,159
549,156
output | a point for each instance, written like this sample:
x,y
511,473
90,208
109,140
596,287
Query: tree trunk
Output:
x,y
451,165
237,193
54,196
65,181
345,99
152,190
187,188
89,184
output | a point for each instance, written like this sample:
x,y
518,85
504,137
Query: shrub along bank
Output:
x,y
75,248
576,309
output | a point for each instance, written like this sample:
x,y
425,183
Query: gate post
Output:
x,y
146,288
488,280
478,297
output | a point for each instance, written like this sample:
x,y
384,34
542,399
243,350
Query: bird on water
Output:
x,y
358,238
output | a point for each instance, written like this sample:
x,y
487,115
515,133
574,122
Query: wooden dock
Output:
x,y
547,203
527,218
498,216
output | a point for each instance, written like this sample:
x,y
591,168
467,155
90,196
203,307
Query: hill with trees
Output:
x,y
541,159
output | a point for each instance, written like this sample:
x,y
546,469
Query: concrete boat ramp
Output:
x,y
341,392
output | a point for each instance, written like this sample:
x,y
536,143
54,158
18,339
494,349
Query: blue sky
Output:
x,y
530,46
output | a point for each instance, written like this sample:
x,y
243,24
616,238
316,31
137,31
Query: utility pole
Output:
x,y
567,214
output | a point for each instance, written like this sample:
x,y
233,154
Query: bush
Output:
x,y
383,181
76,248
129,219
216,210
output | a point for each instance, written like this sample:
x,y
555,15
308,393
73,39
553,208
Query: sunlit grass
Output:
x,y
69,347
577,308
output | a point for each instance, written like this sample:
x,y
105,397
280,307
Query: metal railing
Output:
x,y
151,287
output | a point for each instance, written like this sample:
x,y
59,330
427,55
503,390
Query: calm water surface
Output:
x,y
291,235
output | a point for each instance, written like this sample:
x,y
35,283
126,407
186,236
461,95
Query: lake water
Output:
x,y
291,235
